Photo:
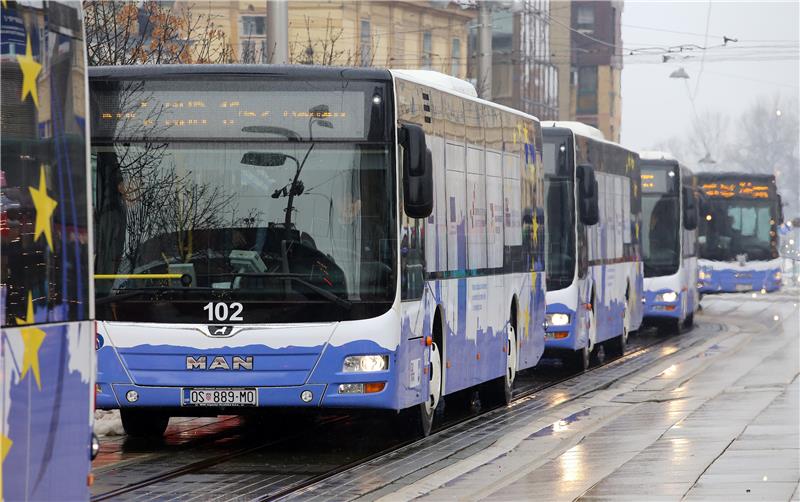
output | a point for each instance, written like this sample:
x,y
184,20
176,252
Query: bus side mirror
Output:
x,y
689,209
588,202
780,210
417,172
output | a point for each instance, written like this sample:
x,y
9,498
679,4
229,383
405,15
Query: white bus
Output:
x,y
298,236
669,241
594,266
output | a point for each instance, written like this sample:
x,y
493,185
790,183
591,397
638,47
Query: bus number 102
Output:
x,y
221,311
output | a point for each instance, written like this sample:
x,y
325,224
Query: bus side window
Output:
x,y
412,259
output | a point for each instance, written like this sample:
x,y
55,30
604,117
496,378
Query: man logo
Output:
x,y
219,363
220,331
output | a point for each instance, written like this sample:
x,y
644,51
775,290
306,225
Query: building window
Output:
x,y
365,51
426,50
253,26
585,17
455,58
587,90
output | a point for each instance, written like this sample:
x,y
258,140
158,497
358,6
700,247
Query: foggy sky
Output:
x,y
656,107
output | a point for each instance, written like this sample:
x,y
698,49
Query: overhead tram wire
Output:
x,y
703,56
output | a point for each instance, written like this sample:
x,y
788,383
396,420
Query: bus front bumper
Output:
x,y
732,281
662,309
112,396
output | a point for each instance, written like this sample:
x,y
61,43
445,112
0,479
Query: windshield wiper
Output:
x,y
133,292
346,304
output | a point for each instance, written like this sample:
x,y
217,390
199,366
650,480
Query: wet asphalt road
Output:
x,y
207,458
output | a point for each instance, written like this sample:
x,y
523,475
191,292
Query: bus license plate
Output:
x,y
220,397
743,287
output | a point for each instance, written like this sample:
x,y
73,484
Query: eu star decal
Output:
x,y
32,339
5,445
44,210
30,72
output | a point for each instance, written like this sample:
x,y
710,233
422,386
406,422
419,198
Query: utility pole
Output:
x,y
278,31
485,49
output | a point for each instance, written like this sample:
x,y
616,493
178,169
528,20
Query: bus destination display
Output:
x,y
746,189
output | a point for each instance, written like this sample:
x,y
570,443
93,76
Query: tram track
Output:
x,y
519,396
294,483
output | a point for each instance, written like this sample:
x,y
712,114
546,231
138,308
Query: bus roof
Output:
x,y
656,155
577,128
301,71
438,80
445,83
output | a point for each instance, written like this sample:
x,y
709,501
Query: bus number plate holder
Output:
x,y
239,396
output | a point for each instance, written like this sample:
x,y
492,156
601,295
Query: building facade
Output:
x,y
524,75
561,56
596,65
417,34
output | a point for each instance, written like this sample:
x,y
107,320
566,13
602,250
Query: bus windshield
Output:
x,y
736,228
661,217
206,196
560,228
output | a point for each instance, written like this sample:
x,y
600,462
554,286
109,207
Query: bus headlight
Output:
x,y
777,276
668,297
357,364
557,319
703,275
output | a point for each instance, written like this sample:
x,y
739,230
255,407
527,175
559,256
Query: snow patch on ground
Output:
x,y
108,423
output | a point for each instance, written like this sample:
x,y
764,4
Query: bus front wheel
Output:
x,y
144,422
580,360
417,421
498,392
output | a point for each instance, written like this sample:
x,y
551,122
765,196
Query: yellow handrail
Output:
x,y
137,276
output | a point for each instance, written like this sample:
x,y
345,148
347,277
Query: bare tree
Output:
x,y
706,140
767,140
194,206
327,49
127,33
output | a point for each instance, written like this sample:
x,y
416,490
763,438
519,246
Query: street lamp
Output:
x,y
707,159
679,73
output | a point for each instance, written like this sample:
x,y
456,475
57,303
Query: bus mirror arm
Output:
x,y
417,172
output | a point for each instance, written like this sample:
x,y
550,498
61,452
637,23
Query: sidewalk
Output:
x,y
720,423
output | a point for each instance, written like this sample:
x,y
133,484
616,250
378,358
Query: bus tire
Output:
x,y
580,360
144,422
417,421
617,346
671,327
689,321
498,392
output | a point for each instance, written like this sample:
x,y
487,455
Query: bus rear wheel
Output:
x,y
144,422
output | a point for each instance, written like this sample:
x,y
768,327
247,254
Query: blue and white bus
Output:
x,y
47,337
738,232
594,266
275,236
669,241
